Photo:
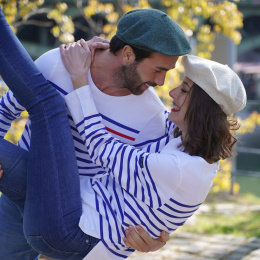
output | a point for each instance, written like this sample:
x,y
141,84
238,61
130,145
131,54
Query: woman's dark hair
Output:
x,y
209,129
116,44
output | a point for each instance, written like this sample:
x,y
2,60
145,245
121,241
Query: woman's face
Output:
x,y
180,101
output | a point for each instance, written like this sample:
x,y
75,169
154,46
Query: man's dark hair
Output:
x,y
116,44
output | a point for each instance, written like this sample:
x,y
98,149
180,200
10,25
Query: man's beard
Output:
x,y
128,77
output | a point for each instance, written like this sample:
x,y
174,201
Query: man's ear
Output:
x,y
128,55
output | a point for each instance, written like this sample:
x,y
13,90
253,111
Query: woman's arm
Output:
x,y
139,173
129,166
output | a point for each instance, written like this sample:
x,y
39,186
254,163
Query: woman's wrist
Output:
x,y
79,81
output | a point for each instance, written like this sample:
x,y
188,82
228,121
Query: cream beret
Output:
x,y
220,82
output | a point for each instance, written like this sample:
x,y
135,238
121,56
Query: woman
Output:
x,y
157,201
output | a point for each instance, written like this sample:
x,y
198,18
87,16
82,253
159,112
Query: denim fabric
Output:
x,y
13,244
52,206
14,161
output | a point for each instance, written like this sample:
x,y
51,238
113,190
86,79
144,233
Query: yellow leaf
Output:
x,y
55,31
236,188
62,7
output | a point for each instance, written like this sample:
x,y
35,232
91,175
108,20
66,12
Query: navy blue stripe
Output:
x,y
95,147
88,168
81,151
85,119
178,211
108,158
135,177
172,216
110,209
183,205
73,128
84,160
25,142
7,116
156,217
11,102
95,135
114,252
28,131
10,112
58,88
70,118
149,141
145,214
153,184
88,126
139,219
120,125
93,174
121,165
104,150
3,130
129,174
78,140
4,123
117,199
3,105
177,224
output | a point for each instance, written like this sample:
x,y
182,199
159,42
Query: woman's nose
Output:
x,y
172,93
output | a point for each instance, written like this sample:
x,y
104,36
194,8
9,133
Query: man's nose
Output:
x,y
160,78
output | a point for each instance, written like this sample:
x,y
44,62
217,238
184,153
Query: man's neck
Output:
x,y
102,73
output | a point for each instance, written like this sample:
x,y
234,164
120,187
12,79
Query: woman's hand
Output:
x,y
142,241
97,43
76,58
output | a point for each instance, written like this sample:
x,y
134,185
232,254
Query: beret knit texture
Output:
x,y
219,81
153,30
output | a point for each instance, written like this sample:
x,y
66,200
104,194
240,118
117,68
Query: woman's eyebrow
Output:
x,y
186,83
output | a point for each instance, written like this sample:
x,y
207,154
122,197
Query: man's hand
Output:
x,y
143,242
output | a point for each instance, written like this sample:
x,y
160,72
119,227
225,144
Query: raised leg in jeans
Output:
x,y
52,206
13,244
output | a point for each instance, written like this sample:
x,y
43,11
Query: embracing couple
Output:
x,y
100,154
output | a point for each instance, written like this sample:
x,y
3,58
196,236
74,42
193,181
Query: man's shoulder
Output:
x,y
51,66
50,61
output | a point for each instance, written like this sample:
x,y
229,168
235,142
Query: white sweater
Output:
x,y
159,190
137,120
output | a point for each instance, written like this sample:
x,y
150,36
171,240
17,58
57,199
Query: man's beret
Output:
x,y
219,81
153,30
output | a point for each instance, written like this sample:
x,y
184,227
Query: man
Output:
x,y
147,44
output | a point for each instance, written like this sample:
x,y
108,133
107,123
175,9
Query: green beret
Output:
x,y
153,30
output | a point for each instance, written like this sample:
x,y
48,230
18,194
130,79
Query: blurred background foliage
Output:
x,y
201,20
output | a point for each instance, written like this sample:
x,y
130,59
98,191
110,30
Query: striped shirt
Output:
x,y
161,188
136,120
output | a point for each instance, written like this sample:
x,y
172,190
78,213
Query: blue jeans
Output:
x,y
51,203
13,244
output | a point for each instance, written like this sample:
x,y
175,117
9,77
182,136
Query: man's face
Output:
x,y
138,76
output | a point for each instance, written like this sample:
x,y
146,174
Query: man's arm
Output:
x,y
10,109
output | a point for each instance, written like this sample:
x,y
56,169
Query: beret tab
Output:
x,y
153,30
